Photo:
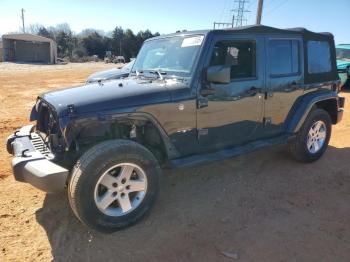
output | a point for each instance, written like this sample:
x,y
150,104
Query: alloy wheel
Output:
x,y
120,189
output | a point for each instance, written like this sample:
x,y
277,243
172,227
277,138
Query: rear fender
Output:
x,y
303,106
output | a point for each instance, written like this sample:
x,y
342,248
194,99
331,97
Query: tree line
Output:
x,y
91,42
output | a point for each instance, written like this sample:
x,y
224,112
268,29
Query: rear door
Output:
x,y
284,80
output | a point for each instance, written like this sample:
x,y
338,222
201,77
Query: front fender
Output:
x,y
104,125
302,108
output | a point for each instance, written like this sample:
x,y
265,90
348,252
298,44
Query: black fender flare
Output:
x,y
71,128
302,108
170,149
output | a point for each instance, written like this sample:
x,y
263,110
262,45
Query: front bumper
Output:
x,y
31,163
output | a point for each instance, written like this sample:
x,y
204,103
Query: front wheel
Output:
x,y
312,139
113,185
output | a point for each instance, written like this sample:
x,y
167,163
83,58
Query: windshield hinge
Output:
x,y
71,111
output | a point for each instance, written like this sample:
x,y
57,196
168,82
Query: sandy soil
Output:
x,y
260,207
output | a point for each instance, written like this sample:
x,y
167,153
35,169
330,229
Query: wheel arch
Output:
x,y
84,134
327,101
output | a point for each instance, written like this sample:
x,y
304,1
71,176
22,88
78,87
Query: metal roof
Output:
x,y
27,37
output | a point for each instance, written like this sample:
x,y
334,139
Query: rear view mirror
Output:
x,y
219,74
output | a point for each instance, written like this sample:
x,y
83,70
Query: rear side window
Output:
x,y
319,57
284,57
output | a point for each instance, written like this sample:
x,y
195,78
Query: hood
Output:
x,y
107,74
342,64
111,95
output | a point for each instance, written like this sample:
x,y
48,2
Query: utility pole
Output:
x,y
259,12
22,17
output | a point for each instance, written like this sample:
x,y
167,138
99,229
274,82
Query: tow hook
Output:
x,y
24,153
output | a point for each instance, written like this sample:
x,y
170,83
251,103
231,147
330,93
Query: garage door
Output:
x,y
32,51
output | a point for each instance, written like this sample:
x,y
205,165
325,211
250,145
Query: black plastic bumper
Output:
x,y
340,115
341,104
31,166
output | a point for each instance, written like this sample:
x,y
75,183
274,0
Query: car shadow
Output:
x,y
255,205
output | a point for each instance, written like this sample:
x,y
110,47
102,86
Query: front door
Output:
x,y
232,112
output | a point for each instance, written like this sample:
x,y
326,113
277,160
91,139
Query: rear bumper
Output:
x,y
340,115
341,104
31,166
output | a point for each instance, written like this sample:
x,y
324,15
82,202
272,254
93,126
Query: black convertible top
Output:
x,y
262,29
256,29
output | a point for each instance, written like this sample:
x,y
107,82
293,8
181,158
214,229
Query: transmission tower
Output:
x,y
239,12
238,18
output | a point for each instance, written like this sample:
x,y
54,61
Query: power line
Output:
x,y
222,14
276,7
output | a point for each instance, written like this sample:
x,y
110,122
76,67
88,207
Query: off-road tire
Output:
x,y
92,165
298,146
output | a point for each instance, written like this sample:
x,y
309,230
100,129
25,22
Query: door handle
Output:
x,y
202,102
253,91
207,91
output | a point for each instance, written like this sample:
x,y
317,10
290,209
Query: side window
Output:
x,y
284,57
319,57
239,55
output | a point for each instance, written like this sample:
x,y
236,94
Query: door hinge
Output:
x,y
202,132
202,102
268,94
267,121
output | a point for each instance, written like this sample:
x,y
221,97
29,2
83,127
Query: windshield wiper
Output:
x,y
159,73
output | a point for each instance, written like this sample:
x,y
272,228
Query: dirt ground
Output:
x,y
259,207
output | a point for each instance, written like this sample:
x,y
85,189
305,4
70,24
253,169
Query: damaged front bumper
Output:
x,y
31,162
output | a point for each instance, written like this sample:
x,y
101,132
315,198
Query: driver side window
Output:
x,y
239,55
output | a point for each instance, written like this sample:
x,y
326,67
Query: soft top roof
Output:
x,y
262,29
257,29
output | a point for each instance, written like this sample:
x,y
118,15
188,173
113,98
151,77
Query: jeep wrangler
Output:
x,y
190,98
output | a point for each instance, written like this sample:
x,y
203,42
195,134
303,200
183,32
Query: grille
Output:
x,y
40,145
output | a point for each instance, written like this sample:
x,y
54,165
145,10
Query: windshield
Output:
x,y
343,54
173,55
128,66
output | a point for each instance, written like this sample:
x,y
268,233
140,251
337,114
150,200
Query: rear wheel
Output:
x,y
313,137
113,185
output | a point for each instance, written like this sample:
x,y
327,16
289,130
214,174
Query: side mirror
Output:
x,y
219,74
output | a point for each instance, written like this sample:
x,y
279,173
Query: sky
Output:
x,y
168,16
